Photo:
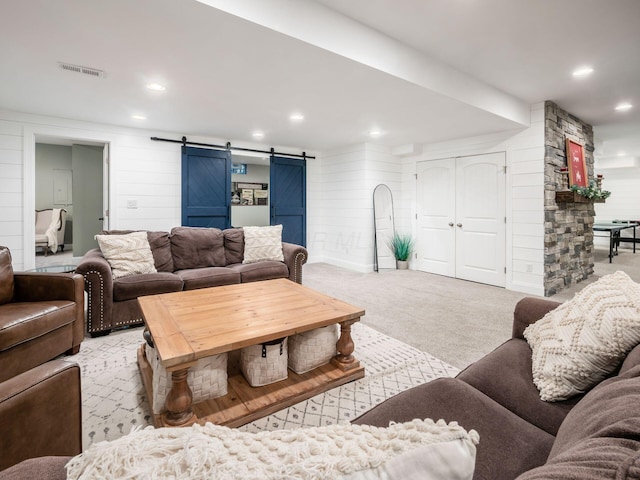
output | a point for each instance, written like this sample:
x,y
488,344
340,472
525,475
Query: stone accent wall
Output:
x,y
568,227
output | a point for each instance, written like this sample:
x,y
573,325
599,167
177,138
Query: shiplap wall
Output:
x,y
341,221
624,202
525,194
140,169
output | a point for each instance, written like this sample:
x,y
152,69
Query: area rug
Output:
x,y
114,400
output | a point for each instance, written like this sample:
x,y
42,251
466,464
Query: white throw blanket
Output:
x,y
420,449
52,230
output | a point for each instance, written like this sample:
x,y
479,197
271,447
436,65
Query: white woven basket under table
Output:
x,y
309,350
208,379
265,363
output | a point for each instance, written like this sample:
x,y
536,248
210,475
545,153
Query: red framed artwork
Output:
x,y
577,164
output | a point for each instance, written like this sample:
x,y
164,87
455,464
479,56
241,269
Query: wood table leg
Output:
x,y
179,399
345,346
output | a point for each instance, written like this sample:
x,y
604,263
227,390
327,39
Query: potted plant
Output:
x,y
402,246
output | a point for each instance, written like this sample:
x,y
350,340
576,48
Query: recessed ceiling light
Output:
x,y
156,87
624,106
296,117
375,133
138,117
621,154
257,135
582,71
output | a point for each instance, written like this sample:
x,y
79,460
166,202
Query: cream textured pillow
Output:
x,y
128,254
420,449
585,339
262,243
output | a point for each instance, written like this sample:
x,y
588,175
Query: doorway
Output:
x,y
461,209
96,193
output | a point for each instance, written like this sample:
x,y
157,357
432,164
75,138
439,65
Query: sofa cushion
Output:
x,y
263,243
160,247
134,286
503,436
24,321
6,276
233,245
611,409
265,270
592,459
582,341
193,247
513,388
208,277
600,438
41,468
128,254
160,244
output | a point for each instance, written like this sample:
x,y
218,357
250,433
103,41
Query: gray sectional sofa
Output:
x,y
186,258
591,436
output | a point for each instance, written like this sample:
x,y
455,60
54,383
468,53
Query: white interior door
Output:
x,y
436,214
480,219
461,218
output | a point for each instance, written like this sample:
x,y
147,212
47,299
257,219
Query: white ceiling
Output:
x,y
227,76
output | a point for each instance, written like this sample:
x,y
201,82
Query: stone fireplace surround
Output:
x,y
568,226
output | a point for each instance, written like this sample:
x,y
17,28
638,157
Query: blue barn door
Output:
x,y
289,198
206,187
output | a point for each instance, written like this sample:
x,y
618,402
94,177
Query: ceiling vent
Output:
x,y
92,72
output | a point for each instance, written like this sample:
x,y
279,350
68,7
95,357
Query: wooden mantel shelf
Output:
x,y
569,196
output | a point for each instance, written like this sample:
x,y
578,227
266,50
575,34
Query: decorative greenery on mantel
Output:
x,y
592,192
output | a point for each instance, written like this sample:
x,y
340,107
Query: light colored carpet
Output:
x,y
114,400
454,320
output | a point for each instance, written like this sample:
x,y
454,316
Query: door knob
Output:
x,y
459,224
451,224
101,218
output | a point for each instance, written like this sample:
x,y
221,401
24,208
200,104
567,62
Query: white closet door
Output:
x,y
461,218
480,219
436,213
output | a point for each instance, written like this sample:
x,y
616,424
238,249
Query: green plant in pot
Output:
x,y
402,246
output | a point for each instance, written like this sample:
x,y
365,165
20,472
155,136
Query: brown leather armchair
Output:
x,y
41,317
40,421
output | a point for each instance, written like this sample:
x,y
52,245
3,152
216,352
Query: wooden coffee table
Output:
x,y
190,325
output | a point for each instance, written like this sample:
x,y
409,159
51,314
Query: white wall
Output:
x,y
525,194
143,170
624,202
341,188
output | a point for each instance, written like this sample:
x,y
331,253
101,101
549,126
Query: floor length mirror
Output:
x,y
384,227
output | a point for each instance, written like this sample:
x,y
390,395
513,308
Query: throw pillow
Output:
x,y
128,254
420,449
582,341
197,247
263,243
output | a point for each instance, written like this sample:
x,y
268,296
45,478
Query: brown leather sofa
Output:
x,y
41,317
186,258
40,420
594,435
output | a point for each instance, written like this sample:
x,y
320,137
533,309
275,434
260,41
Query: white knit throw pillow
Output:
x,y
128,254
420,449
263,243
582,341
